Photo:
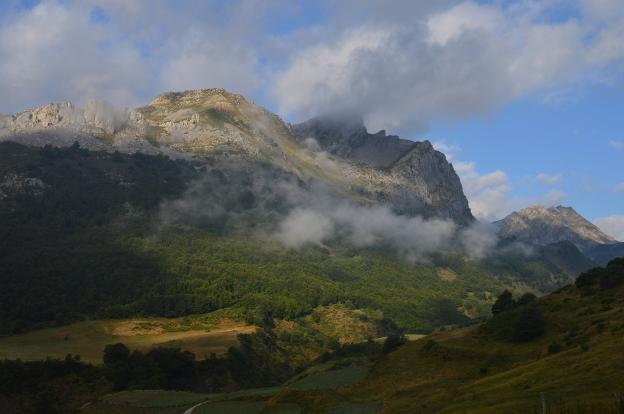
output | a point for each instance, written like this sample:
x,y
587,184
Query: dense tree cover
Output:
x,y
545,268
603,278
503,303
55,386
49,387
93,244
257,361
515,320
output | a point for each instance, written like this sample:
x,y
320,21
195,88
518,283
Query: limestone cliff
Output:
x,y
409,177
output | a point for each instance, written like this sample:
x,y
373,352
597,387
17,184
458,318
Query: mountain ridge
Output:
x,y
543,225
210,123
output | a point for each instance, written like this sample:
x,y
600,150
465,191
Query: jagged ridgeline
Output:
x,y
202,200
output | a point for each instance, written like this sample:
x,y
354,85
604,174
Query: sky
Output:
x,y
525,97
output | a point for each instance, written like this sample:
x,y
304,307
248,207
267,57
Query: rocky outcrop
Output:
x,y
348,138
96,117
540,225
423,183
409,177
436,179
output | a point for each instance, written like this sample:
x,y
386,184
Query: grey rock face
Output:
x,y
409,177
543,226
437,181
349,139
433,188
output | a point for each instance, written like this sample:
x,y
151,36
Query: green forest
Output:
x,y
90,242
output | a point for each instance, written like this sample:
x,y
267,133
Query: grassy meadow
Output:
x,y
200,334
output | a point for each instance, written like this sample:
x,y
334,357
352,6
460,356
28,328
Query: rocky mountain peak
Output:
x,y
426,169
409,177
347,137
542,225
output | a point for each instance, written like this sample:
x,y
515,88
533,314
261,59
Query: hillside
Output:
x,y
573,361
139,247
561,353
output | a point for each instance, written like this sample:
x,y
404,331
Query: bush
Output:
x,y
588,278
392,342
529,325
554,347
504,303
526,299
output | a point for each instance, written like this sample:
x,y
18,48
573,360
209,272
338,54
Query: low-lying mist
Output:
x,y
234,196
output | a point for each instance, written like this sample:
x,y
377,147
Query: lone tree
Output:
x,y
529,325
504,303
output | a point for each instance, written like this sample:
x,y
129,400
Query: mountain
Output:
x,y
603,253
411,177
540,225
418,162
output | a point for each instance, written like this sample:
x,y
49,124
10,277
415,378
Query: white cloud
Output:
x,y
452,24
453,63
303,227
612,225
450,150
617,145
53,52
549,179
490,195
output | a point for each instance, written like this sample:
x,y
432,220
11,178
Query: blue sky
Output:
x,y
526,97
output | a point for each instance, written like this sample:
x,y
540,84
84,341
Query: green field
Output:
x,y
89,338
324,377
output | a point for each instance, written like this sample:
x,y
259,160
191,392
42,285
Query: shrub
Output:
x,y
526,299
504,303
392,342
528,325
554,347
588,278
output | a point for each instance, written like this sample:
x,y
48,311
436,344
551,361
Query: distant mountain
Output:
x,y
411,178
543,226
603,253
544,267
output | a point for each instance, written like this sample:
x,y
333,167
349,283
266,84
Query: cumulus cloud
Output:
x,y
549,179
131,52
400,65
455,62
490,194
54,52
450,150
612,225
